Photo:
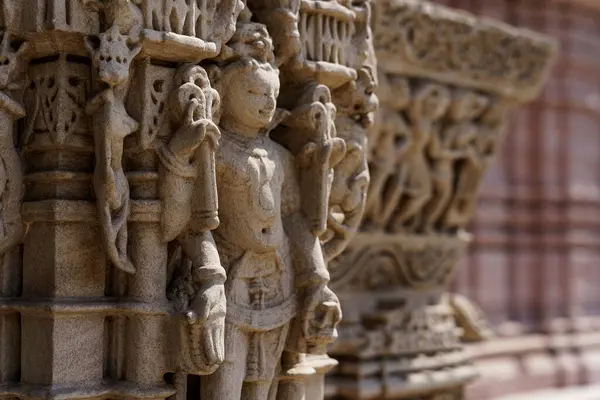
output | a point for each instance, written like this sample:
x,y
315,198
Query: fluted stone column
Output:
x,y
447,84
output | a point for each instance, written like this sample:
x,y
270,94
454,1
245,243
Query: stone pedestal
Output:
x,y
447,84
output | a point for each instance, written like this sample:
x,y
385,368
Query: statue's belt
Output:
x,y
262,320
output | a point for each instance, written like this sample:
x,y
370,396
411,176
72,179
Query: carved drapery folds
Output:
x,y
447,82
185,169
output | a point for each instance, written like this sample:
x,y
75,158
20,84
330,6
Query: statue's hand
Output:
x,y
322,314
193,131
206,318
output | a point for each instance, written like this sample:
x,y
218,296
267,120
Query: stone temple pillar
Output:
x,y
175,176
447,84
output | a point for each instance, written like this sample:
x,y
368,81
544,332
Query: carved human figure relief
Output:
x,y
276,288
481,147
112,55
189,199
11,175
448,145
387,145
429,104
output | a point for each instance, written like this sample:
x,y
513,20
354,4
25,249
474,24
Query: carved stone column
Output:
x,y
447,84
183,172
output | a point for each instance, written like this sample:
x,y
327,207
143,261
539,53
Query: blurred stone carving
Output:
x,y
446,90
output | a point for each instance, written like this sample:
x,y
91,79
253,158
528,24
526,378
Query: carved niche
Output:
x,y
184,172
447,83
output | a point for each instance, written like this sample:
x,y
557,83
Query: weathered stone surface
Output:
x,y
183,173
447,83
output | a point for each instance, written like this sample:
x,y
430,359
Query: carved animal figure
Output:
x,y
111,125
112,58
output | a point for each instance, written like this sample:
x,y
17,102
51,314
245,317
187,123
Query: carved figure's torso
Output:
x,y
250,179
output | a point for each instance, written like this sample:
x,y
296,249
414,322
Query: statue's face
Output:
x,y
468,105
435,104
251,97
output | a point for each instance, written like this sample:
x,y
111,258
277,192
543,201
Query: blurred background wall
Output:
x,y
534,265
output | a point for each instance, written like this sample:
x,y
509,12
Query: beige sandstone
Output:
x,y
180,178
447,84
183,172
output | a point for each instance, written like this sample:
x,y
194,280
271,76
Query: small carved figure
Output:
x,y
429,104
482,150
112,59
447,146
388,145
276,273
189,197
11,175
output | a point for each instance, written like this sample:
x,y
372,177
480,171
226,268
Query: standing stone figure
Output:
x,y
430,102
112,60
482,148
387,146
276,288
449,145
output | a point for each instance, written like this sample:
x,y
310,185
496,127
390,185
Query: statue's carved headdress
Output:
x,y
251,40
250,48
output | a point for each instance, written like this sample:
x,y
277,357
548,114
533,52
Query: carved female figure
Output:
x,y
447,146
388,145
112,59
482,149
275,268
429,104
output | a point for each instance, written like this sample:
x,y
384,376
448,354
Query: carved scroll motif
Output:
x,y
112,56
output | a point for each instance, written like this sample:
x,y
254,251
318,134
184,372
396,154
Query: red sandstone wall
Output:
x,y
534,266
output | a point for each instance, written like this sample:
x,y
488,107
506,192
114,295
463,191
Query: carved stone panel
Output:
x,y
447,84
184,171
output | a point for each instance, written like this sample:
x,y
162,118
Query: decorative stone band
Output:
x,y
420,39
122,390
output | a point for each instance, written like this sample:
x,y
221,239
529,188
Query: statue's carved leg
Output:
x,y
433,211
226,382
411,209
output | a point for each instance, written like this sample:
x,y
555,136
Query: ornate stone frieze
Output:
x,y
184,172
426,40
447,83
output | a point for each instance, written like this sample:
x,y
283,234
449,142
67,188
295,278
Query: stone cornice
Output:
x,y
420,39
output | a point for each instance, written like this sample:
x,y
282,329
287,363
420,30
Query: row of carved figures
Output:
x,y
429,150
